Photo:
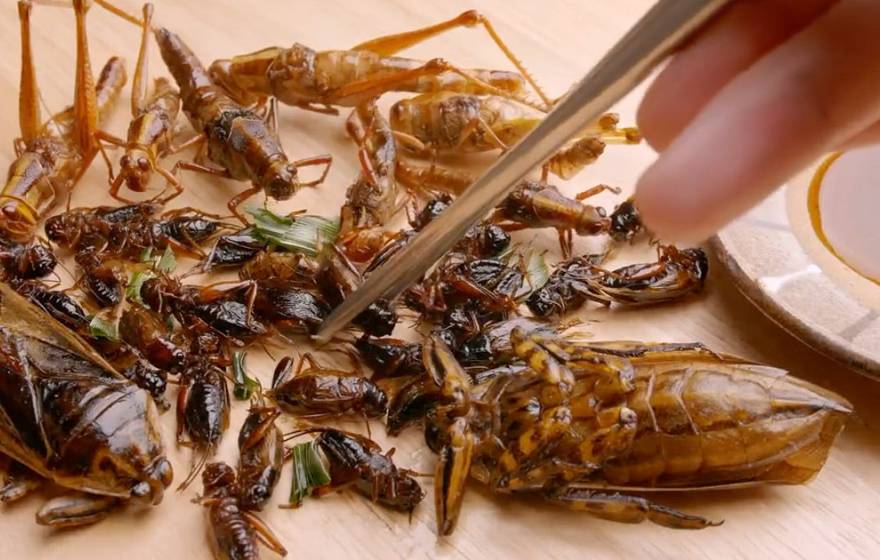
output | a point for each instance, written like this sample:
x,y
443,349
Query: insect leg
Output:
x,y
172,181
450,480
20,482
361,91
139,82
238,199
265,534
29,93
75,510
388,45
624,508
85,103
593,191
182,398
325,159
392,44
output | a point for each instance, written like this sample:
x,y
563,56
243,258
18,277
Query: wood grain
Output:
x,y
834,517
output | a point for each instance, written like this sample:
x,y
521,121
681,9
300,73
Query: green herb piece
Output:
x,y
146,255
136,283
308,472
100,327
244,385
303,234
537,271
167,262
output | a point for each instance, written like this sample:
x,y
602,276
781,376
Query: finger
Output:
x,y
727,47
807,96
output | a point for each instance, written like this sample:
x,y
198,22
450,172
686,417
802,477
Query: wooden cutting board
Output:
x,y
836,516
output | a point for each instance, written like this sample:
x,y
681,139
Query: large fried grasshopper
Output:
x,y
585,424
68,417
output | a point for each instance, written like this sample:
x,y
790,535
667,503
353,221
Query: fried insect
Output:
x,y
451,123
52,156
491,345
98,433
244,145
319,80
292,269
410,404
145,332
338,279
25,261
676,274
236,533
354,461
390,357
202,409
584,442
129,232
151,132
479,288
261,455
319,392
626,222
536,204
225,311
372,199
483,240
103,278
289,309
233,250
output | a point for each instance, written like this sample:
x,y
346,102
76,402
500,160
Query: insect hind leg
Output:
x,y
624,508
389,45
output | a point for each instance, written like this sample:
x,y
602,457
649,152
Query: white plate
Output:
x,y
778,261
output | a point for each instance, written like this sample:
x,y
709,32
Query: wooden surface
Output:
x,y
837,516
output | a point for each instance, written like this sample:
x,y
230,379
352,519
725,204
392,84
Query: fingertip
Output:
x,y
655,130
666,213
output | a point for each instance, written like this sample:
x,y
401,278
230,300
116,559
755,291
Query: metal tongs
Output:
x,y
666,25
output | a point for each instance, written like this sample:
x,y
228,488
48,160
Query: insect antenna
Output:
x,y
194,471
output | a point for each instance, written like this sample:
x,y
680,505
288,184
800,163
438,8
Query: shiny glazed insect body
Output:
x,y
226,311
289,309
389,357
339,278
144,331
447,122
354,461
318,392
261,456
25,261
70,418
677,273
583,424
52,156
238,140
202,410
129,232
536,204
235,533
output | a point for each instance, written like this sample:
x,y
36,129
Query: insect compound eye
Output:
x,y
125,161
143,164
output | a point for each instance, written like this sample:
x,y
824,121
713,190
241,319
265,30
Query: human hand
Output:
x,y
765,90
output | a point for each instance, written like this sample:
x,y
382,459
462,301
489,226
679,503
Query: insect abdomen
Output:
x,y
702,427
